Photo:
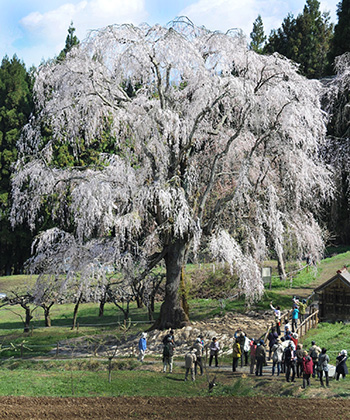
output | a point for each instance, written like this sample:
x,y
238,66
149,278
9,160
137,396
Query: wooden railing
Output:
x,y
310,322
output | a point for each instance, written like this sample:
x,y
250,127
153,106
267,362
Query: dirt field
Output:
x,y
168,408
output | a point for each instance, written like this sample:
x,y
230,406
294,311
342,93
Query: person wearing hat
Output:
x,y
142,346
341,368
168,354
260,358
190,360
294,337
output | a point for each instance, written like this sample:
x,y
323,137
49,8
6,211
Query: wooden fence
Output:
x,y
310,322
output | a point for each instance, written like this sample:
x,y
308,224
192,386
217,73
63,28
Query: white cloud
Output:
x,y
47,31
226,14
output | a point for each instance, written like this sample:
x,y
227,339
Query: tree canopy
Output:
x,y
337,150
304,39
15,108
215,146
71,41
257,35
341,39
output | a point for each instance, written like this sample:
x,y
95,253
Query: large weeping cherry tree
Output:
x,y
337,104
214,145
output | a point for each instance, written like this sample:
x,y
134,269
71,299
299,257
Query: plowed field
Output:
x,y
173,408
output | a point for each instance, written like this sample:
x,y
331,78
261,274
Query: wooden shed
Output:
x,y
334,298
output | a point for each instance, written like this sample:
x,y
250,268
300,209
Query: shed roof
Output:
x,y
342,275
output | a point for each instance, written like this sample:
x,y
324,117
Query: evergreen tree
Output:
x,y
341,39
257,35
281,40
15,108
71,41
305,39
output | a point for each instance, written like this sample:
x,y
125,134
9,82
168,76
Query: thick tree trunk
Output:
x,y
280,268
172,314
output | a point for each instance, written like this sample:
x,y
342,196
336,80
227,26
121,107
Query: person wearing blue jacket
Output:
x,y
142,346
295,317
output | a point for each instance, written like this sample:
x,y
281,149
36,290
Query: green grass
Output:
x,y
20,281
41,340
334,337
39,379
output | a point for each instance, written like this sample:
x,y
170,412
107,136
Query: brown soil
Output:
x,y
167,408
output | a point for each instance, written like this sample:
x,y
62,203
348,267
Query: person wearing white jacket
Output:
x,y
277,354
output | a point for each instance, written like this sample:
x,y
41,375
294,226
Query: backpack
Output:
x,y
168,350
313,354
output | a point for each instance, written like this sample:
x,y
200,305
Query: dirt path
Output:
x,y
172,408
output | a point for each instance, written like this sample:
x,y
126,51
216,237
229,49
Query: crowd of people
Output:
x,y
287,355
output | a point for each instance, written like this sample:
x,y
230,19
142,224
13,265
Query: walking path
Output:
x,y
267,370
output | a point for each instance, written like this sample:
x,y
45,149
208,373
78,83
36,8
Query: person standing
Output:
x,y
241,337
299,353
214,351
289,360
323,360
286,327
198,346
295,317
307,369
168,354
236,354
170,335
253,347
302,310
260,358
272,337
245,350
314,351
277,350
190,360
142,346
277,312
341,368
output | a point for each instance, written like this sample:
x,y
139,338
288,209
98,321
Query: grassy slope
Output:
x,y
51,378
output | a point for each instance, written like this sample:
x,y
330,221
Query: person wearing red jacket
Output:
x,y
308,366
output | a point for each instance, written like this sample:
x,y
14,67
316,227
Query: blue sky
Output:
x,y
37,29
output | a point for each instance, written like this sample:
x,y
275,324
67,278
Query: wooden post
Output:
x,y
57,349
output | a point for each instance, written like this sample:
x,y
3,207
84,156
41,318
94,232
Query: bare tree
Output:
x,y
25,300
